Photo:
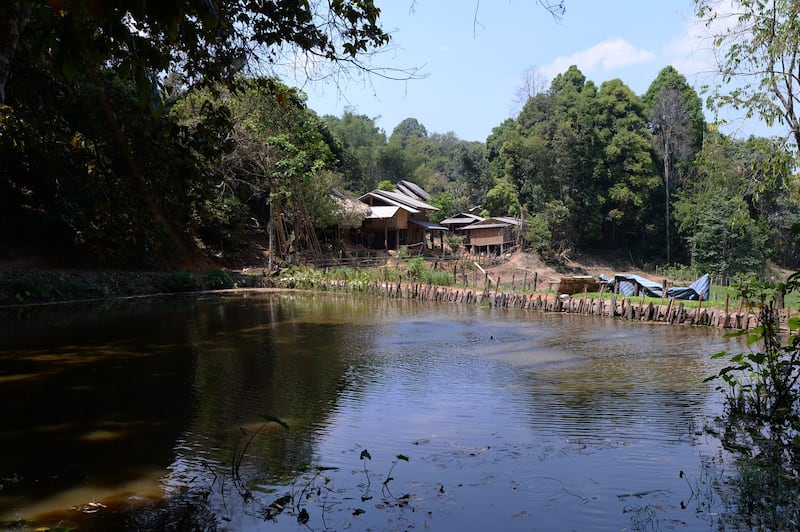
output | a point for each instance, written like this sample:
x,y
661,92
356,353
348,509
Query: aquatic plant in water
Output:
x,y
761,424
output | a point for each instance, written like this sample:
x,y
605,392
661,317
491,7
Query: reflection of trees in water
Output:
x,y
102,393
105,390
284,356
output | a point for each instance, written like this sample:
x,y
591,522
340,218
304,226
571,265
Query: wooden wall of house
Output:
x,y
493,236
398,221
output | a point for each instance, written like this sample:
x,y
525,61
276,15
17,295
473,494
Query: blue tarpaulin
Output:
x,y
693,292
636,285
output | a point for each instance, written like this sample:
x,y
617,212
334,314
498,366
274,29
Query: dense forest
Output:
x,y
110,159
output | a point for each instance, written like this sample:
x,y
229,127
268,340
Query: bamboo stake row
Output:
x,y
673,312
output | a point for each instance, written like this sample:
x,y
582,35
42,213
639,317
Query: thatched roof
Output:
x,y
350,211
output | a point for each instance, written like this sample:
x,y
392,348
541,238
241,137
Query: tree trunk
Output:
x,y
666,190
13,17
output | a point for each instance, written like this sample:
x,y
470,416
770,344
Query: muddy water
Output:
x,y
155,413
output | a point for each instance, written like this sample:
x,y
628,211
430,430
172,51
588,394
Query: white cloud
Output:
x,y
605,56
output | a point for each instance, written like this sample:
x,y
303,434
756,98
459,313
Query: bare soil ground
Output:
x,y
519,263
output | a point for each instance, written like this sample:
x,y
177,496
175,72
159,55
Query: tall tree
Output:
x,y
207,40
716,211
280,166
531,84
57,55
675,118
758,58
670,126
625,172
13,18
670,79
361,142
407,131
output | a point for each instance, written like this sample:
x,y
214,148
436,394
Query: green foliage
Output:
x,y
438,278
762,419
690,109
758,55
586,150
418,272
416,268
217,280
718,211
224,221
407,132
181,282
446,205
455,243
679,272
502,199
761,385
361,141
81,185
85,173
538,235
206,43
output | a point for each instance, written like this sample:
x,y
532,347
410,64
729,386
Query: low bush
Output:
x,y
217,280
181,282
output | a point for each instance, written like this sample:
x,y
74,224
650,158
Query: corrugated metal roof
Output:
x,y
491,223
431,226
391,201
509,219
462,218
403,199
484,226
416,190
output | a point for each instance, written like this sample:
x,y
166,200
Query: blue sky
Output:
x,y
474,54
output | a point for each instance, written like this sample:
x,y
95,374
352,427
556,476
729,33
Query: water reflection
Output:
x,y
503,418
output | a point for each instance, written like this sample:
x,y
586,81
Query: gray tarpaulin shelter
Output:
x,y
635,285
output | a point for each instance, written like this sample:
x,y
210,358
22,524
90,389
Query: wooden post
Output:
x,y
669,308
699,308
779,299
525,283
535,280
727,300
513,282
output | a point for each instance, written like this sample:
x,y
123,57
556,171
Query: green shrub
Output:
x,y
438,277
25,290
181,282
416,269
455,242
217,280
678,272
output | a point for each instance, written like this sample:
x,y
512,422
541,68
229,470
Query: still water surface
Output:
x,y
148,414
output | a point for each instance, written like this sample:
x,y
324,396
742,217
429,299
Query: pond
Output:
x,y
169,413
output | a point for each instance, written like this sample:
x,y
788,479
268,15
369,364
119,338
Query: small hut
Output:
x,y
493,235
